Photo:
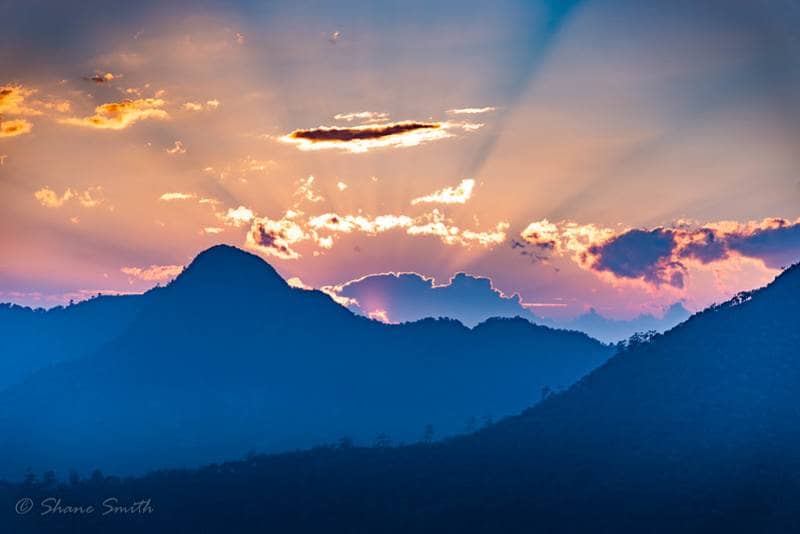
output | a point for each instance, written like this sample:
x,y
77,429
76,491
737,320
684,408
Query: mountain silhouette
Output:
x,y
694,430
228,358
473,299
31,339
615,330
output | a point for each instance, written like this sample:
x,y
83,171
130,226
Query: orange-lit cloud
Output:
x,y
168,197
50,199
177,148
13,101
89,198
199,106
105,77
120,115
153,273
449,195
360,139
15,127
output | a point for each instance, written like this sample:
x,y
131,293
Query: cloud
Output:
x,y
341,186
275,237
363,116
199,106
169,197
379,315
662,255
241,168
360,139
351,223
640,254
411,296
102,78
449,195
15,127
13,101
305,191
238,217
90,198
774,241
212,230
120,115
177,148
433,224
279,237
471,111
334,37
438,225
50,199
153,273
299,284
543,234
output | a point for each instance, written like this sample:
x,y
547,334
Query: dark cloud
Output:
x,y
411,296
275,237
657,256
640,254
777,246
100,78
360,133
705,247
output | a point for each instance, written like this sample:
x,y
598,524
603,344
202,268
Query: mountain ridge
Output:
x,y
272,367
694,430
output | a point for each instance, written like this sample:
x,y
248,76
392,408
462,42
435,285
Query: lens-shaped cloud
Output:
x,y
360,139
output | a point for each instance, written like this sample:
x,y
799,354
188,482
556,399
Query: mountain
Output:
x,y
695,430
228,358
613,330
31,339
405,297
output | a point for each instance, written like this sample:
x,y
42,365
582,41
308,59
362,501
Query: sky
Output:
x,y
619,156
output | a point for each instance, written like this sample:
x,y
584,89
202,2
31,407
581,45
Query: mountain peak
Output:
x,y
229,266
